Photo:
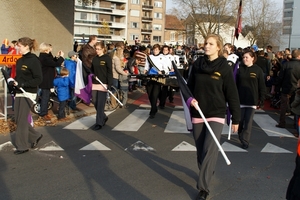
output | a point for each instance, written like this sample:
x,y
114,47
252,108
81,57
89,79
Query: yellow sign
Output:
x,y
6,59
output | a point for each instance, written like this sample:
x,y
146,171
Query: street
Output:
x,y
134,157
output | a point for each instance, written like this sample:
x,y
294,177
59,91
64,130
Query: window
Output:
x,y
83,15
134,25
157,27
135,13
288,14
113,18
158,4
172,36
288,5
158,15
135,1
156,38
113,5
133,36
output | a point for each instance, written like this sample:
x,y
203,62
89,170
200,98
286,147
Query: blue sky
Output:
x,y
278,2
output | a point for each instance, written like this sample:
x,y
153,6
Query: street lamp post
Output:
x,y
290,36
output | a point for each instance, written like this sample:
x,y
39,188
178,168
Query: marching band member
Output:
x,y
231,58
154,62
166,64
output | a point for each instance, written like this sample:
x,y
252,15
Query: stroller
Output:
x,y
275,101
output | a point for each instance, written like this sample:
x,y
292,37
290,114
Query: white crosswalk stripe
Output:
x,y
176,124
133,121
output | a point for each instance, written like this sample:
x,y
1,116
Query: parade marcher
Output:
x,y
252,90
232,57
49,65
167,64
153,88
102,69
61,82
213,72
28,76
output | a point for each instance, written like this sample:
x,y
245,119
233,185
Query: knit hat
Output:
x,y
72,53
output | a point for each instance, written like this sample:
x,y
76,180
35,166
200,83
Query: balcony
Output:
x,y
146,41
148,19
145,30
147,7
91,22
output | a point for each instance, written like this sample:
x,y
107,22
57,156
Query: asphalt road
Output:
x,y
141,164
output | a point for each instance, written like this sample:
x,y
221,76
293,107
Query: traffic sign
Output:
x,y
6,59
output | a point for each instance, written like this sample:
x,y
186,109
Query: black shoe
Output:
x,y
34,144
17,152
202,195
152,116
280,126
105,120
97,127
171,101
162,107
245,146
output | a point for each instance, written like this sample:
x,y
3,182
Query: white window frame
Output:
x,y
135,13
157,27
135,1
133,36
133,26
157,15
158,4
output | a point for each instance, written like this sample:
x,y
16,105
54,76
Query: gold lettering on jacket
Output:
x,y
24,67
252,75
102,62
216,75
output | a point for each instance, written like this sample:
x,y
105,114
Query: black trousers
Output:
x,y
45,97
61,109
25,133
245,125
163,95
153,90
207,152
99,100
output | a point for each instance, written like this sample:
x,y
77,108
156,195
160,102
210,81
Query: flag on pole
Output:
x,y
81,90
238,27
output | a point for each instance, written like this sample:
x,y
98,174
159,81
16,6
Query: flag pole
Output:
x,y
213,135
229,132
109,91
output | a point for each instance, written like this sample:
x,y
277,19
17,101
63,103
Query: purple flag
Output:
x,y
186,96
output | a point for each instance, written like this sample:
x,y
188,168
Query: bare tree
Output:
x,y
262,19
206,16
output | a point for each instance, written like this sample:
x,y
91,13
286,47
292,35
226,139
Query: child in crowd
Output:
x,y
296,108
61,83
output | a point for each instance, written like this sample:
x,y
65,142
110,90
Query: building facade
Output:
x,y
46,21
175,33
106,19
121,20
146,21
290,37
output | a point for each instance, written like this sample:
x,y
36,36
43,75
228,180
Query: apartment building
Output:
x,y
146,21
107,19
290,37
121,20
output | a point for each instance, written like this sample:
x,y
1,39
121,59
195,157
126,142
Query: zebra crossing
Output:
x,y
176,124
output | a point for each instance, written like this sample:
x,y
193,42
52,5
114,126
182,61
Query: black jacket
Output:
x,y
102,68
29,73
251,85
48,69
212,85
288,76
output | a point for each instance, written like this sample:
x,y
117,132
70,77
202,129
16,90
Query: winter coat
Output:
x,y
62,87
